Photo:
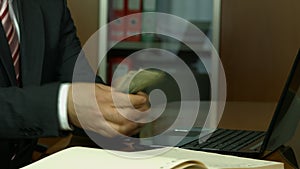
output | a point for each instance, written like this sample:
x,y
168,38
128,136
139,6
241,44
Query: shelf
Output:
x,y
203,14
171,46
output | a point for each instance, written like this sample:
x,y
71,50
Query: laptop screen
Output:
x,y
287,113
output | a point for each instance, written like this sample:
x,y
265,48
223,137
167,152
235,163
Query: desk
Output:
x,y
237,115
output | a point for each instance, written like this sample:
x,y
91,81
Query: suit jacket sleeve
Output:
x,y
31,111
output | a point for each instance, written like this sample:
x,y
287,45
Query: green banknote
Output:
x,y
139,80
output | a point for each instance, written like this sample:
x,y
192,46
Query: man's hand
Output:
x,y
99,108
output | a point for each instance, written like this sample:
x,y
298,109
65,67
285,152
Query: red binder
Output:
x,y
116,29
133,22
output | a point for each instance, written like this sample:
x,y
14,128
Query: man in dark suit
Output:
x,y
36,100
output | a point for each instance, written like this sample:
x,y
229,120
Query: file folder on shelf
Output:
x,y
117,26
133,22
148,20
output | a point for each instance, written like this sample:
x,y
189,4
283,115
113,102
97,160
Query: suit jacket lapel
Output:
x,y
32,41
6,58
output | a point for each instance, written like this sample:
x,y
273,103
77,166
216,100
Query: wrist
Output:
x,y
72,116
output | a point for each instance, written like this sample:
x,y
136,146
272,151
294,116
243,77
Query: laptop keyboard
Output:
x,y
226,140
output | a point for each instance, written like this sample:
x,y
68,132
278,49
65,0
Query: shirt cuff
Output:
x,y
62,107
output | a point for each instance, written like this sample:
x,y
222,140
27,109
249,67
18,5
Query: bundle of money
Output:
x,y
138,80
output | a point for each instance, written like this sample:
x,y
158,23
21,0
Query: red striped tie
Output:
x,y
11,35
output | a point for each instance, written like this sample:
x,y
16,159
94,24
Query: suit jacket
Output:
x,y
49,49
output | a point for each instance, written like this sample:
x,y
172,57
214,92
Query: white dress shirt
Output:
x,y
63,90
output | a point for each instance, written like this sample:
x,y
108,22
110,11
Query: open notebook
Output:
x,y
172,158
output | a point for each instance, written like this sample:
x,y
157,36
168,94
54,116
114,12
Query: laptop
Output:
x,y
257,144
254,144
